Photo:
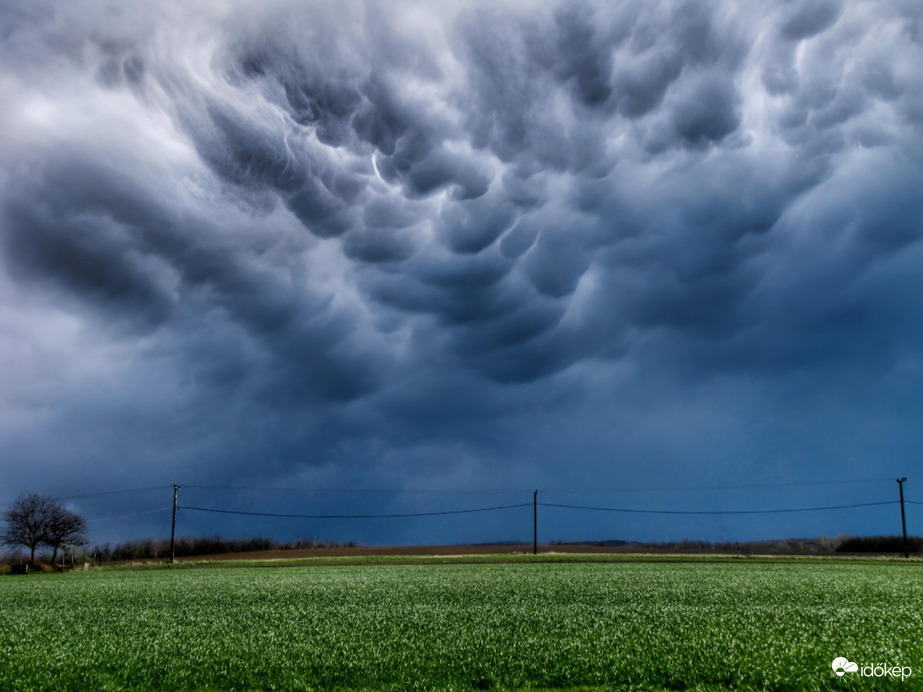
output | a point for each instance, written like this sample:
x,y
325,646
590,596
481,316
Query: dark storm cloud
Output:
x,y
93,233
376,222
806,19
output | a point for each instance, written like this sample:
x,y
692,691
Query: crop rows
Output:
x,y
673,626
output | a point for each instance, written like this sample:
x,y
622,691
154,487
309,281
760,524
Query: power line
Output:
x,y
737,511
480,491
575,491
101,493
529,504
354,516
112,492
377,491
743,486
130,514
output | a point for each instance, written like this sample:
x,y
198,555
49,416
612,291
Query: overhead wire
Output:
x,y
353,516
377,491
473,491
112,492
217,510
578,491
435,491
131,514
717,512
739,486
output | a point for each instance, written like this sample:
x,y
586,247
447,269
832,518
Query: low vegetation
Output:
x,y
702,625
158,548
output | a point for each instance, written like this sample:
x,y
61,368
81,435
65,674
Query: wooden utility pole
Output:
x,y
535,522
173,527
900,484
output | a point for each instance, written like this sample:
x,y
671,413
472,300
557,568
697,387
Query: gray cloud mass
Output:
x,y
470,244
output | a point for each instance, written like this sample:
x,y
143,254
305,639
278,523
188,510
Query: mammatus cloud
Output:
x,y
393,222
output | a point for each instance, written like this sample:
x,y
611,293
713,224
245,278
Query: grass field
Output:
x,y
650,625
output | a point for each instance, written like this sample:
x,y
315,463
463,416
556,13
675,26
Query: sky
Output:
x,y
399,257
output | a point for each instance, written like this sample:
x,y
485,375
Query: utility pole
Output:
x,y
173,527
900,484
535,522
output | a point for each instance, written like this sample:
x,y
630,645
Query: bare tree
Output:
x,y
33,520
63,528
27,521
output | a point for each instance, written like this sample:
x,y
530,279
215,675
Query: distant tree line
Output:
x,y
880,544
821,545
188,546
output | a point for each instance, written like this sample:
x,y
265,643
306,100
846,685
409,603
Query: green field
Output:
x,y
703,625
